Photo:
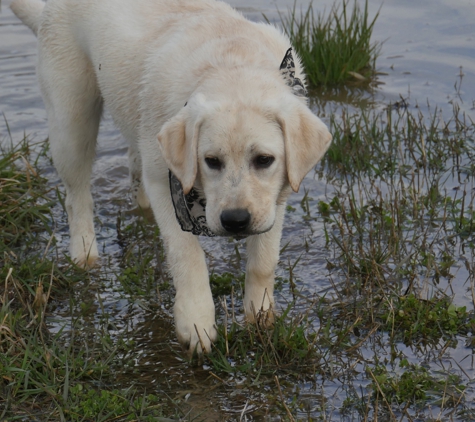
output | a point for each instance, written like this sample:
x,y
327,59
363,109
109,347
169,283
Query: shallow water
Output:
x,y
428,56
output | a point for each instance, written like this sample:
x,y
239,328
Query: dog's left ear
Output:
x,y
306,138
178,140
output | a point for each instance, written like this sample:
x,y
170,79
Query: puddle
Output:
x,y
427,58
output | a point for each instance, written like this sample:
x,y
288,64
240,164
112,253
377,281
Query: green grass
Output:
x,y
247,348
107,405
226,283
414,384
334,48
24,208
389,170
415,319
52,376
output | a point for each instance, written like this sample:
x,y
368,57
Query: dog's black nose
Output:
x,y
235,221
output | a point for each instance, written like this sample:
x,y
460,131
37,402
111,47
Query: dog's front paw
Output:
x,y
260,316
84,251
259,306
195,328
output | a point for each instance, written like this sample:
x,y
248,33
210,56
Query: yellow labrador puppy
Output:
x,y
213,107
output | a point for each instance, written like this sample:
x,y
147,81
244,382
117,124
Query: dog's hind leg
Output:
x,y
74,107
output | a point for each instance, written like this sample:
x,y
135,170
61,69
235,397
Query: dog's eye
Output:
x,y
263,161
213,163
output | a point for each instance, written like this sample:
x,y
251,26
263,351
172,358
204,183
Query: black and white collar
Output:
x,y
190,209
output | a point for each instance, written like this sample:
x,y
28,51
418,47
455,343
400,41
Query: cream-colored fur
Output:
x,y
144,60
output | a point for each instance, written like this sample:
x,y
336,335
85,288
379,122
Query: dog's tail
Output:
x,y
29,12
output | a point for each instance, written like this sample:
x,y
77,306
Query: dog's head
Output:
x,y
244,156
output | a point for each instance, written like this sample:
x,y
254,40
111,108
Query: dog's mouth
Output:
x,y
244,234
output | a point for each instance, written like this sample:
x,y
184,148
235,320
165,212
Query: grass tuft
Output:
x,y
415,319
287,346
337,48
24,206
415,384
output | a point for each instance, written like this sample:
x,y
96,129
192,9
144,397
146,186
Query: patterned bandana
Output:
x,y
190,209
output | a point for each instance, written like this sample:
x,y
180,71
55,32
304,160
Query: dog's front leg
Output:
x,y
194,307
263,255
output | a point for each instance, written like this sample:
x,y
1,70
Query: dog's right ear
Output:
x,y
178,140
306,138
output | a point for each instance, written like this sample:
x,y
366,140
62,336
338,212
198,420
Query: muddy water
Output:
x,y
428,55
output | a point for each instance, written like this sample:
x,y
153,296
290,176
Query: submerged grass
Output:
x,y
335,48
415,319
415,385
